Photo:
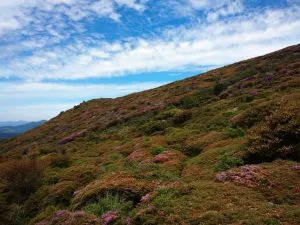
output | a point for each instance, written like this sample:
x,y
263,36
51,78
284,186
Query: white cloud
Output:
x,y
16,14
27,100
216,43
230,8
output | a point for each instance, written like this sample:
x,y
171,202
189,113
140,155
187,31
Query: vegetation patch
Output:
x,y
228,161
278,136
157,150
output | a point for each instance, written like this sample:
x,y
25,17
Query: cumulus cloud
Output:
x,y
215,43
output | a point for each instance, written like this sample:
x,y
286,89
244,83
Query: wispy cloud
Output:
x,y
214,43
45,100
17,14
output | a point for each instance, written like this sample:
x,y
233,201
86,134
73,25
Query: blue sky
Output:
x,y
56,53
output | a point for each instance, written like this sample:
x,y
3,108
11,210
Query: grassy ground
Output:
x,y
153,157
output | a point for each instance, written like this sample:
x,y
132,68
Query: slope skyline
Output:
x,y
56,54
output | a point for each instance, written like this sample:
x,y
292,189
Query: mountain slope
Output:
x,y
178,154
12,131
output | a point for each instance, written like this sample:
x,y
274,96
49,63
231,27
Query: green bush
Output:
x,y
219,88
202,96
190,102
181,117
17,215
109,203
235,132
254,114
276,137
164,197
154,126
192,148
60,161
157,150
62,192
249,98
228,161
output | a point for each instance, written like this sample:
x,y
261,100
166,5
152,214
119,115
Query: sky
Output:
x,y
55,54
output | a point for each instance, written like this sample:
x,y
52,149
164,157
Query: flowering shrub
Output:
x,y
249,175
277,137
109,217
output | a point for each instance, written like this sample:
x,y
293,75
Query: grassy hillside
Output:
x,y
218,148
12,131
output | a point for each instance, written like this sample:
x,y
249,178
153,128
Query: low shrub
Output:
x,y
203,95
248,98
60,161
228,161
62,192
181,117
164,197
109,203
157,150
235,132
219,88
22,177
80,174
253,115
17,215
276,137
154,126
192,148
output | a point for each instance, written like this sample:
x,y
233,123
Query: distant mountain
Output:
x,y
13,123
11,131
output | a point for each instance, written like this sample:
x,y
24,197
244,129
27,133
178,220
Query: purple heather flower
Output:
x,y
60,212
253,92
151,207
128,220
221,177
297,167
145,198
109,217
